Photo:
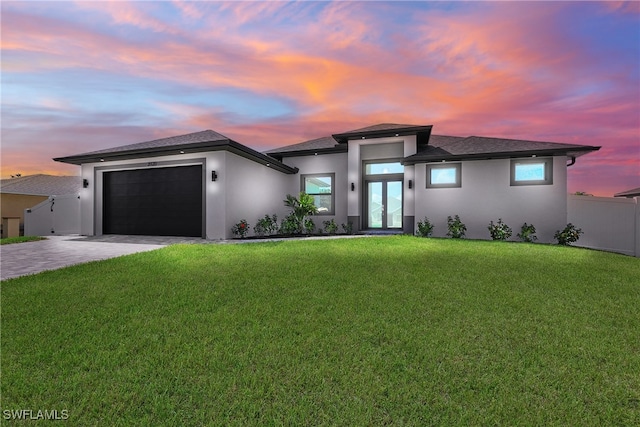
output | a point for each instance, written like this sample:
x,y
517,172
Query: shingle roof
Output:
x,y
173,141
334,143
197,142
324,143
477,147
41,185
634,192
379,127
383,130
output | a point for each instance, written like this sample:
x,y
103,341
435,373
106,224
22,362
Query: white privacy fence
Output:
x,y
57,215
609,223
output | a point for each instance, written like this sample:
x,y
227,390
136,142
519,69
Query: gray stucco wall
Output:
x,y
252,191
486,195
327,163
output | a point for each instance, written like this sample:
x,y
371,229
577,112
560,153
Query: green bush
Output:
x,y
330,227
289,225
425,228
499,230
309,226
456,227
240,229
348,227
266,226
527,233
568,235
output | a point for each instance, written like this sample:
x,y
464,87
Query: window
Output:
x,y
444,175
320,186
383,168
532,171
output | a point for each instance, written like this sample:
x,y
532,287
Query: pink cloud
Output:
x,y
481,70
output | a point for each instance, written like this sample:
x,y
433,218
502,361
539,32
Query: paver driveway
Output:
x,y
60,251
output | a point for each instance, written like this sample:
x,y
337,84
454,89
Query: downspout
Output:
x,y
573,161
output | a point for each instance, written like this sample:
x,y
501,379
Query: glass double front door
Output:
x,y
384,204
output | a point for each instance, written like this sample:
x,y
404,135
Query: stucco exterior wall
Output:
x,y
379,149
327,163
252,191
486,195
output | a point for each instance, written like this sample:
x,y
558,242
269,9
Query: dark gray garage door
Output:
x,y
153,202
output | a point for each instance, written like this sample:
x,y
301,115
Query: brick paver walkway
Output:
x,y
20,259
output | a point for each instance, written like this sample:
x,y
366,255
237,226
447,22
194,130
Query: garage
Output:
x,y
154,202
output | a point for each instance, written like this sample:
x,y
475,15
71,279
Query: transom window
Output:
x,y
532,171
383,168
321,187
445,175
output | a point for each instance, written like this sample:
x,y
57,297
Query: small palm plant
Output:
x,y
302,207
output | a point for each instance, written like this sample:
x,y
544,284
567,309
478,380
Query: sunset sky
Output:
x,y
82,76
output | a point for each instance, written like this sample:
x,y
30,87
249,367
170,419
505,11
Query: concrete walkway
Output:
x,y
20,259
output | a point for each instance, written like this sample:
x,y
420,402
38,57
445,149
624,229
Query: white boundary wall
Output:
x,y
58,215
609,223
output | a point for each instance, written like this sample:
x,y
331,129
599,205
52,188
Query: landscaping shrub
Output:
x,y
568,235
330,227
527,233
425,228
240,229
309,226
499,230
456,227
289,225
266,226
301,207
348,227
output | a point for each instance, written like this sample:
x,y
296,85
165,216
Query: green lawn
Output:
x,y
21,239
366,331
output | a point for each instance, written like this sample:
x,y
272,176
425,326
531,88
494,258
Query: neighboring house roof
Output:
x,y
41,185
634,192
203,141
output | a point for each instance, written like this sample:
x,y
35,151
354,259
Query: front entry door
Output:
x,y
384,204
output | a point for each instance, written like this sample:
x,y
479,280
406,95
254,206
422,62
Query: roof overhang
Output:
x,y
223,145
421,131
342,148
446,157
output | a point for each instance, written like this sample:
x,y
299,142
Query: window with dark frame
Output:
x,y
532,171
321,187
444,175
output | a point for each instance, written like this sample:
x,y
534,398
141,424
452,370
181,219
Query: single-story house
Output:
x,y
23,192
385,177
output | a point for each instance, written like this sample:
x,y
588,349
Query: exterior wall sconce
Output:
x,y
410,184
353,187
85,183
214,175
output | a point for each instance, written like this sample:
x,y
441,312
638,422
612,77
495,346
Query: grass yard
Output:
x,y
21,239
367,331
